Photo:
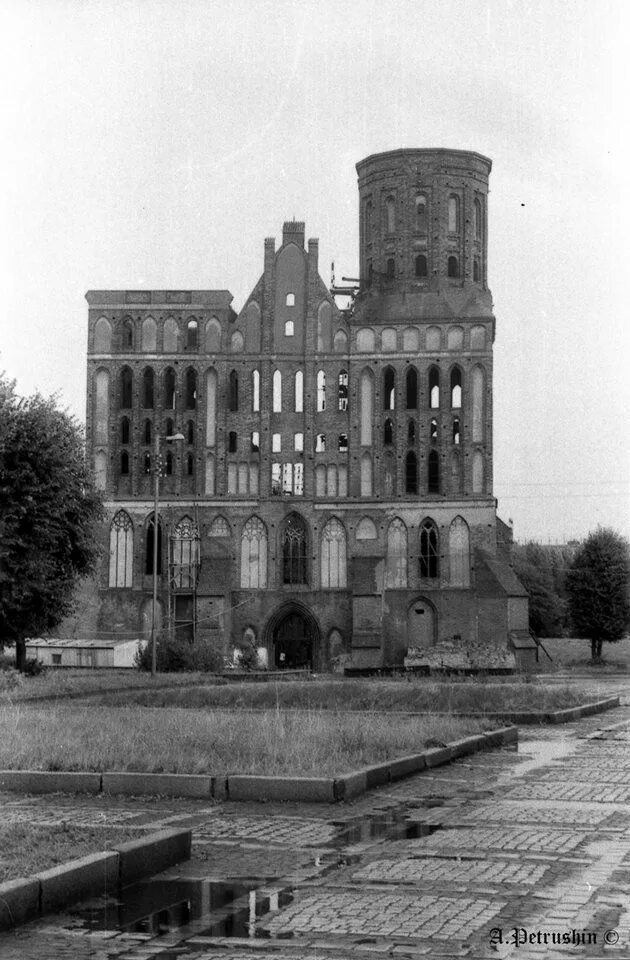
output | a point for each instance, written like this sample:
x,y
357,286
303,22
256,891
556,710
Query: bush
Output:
x,y
33,668
179,656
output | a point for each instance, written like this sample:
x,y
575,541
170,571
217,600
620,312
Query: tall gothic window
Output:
x,y
255,391
342,390
126,388
294,545
121,551
185,554
233,391
411,473
434,388
192,335
299,392
169,389
412,388
254,555
456,388
333,556
321,391
434,472
429,553
191,389
147,389
148,546
277,392
124,430
389,389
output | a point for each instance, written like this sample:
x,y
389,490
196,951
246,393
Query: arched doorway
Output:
x,y
292,638
421,623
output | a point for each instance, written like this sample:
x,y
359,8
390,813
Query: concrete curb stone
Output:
x,y
313,789
44,781
81,879
164,784
149,855
19,901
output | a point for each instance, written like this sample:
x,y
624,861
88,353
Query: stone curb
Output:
x,y
555,716
44,781
28,898
256,788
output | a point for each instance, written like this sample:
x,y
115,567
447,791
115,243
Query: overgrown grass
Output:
x,y
75,682
26,848
365,695
301,743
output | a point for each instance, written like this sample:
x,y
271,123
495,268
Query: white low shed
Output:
x,y
83,653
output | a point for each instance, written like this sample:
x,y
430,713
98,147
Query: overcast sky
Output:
x,y
155,143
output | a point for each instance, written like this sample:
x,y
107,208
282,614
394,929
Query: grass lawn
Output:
x,y
61,683
26,848
570,653
413,695
73,736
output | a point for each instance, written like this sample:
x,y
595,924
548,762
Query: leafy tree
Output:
x,y
537,570
598,588
49,512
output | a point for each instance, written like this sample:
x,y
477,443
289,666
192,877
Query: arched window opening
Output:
x,y
391,214
456,388
124,430
390,268
185,554
476,270
342,443
147,432
299,392
192,335
169,389
453,268
276,443
124,464
288,328
121,551
233,391
298,442
146,463
434,472
396,564
147,389
254,555
294,544
126,388
127,335
411,432
459,553
277,392
411,392
429,553
433,430
453,214
389,389
190,432
169,427
149,546
456,435
333,556
149,335
170,336
255,442
340,342
256,391
321,391
232,441
365,340
388,340
342,390
366,530
190,465
320,443
290,301
411,473
477,219
421,214
237,342
102,336
388,433
219,528
434,388
421,265
168,469
367,393
191,389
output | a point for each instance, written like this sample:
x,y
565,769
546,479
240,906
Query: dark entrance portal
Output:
x,y
293,643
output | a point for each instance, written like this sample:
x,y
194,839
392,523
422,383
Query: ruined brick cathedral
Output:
x,y
330,494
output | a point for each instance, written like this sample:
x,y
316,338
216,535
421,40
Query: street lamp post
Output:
x,y
156,505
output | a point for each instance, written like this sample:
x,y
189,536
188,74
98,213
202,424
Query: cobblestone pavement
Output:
x,y
507,854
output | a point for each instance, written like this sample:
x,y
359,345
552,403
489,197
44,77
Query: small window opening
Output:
x,y
411,473
192,334
298,442
147,432
276,443
434,430
147,389
388,433
190,432
321,391
256,391
147,463
255,441
191,389
434,388
288,328
456,430
232,441
190,465
299,392
277,392
124,463
343,443
233,391
124,430
169,464
290,301
476,271
411,432
389,389
169,428
169,389
412,389
320,443
342,390
453,268
421,265
390,268
456,388
434,472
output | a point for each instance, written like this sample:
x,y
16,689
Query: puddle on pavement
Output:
x,y
393,825
159,907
